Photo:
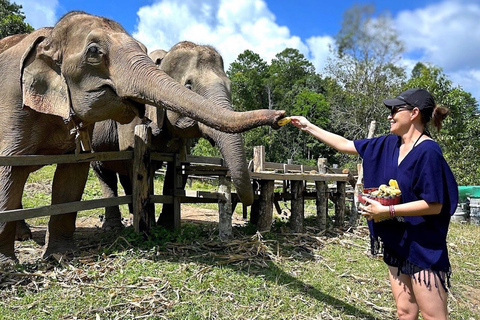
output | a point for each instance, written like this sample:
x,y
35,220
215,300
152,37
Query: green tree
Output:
x,y
12,19
363,71
459,135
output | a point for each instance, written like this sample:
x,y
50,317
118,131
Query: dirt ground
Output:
x,y
88,228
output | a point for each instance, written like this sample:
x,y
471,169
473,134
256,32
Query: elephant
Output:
x,y
199,68
57,82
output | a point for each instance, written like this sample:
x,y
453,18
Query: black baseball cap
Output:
x,y
417,98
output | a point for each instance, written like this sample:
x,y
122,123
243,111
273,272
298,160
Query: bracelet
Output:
x,y
392,210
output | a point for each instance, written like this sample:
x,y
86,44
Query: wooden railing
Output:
x,y
264,174
143,197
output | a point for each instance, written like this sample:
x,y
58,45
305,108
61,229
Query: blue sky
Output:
x,y
445,33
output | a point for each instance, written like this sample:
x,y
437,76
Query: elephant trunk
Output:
x,y
142,81
233,152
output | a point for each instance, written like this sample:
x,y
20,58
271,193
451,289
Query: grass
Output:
x,y
191,274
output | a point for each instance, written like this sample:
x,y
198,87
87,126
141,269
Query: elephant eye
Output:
x,y
189,85
94,54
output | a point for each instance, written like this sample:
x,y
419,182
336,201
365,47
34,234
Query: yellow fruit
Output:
x,y
393,183
284,121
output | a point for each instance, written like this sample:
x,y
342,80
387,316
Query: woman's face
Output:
x,y
400,119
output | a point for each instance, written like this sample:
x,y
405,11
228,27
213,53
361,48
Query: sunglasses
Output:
x,y
394,110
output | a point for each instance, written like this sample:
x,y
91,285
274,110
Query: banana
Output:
x,y
393,183
284,121
385,191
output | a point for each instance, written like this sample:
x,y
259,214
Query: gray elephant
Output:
x,y
200,69
57,82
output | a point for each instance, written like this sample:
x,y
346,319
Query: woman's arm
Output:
x,y
376,211
333,140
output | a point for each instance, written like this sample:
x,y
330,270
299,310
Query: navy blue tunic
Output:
x,y
411,243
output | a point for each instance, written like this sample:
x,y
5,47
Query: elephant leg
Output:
x,y
22,231
12,182
126,182
108,182
166,218
68,185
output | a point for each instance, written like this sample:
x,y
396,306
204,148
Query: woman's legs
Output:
x,y
431,299
407,307
412,294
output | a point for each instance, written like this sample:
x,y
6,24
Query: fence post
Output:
x,y
298,212
322,196
258,158
143,209
177,189
340,203
225,207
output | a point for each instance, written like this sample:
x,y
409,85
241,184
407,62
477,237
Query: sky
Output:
x,y
445,33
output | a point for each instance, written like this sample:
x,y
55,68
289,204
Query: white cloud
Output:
x,y
39,14
447,35
320,51
230,26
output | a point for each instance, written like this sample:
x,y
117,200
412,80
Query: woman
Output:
x,y
412,234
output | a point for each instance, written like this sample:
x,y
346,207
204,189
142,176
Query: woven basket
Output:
x,y
386,201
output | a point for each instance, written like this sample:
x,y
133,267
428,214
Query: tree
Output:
x,y
459,135
12,19
363,71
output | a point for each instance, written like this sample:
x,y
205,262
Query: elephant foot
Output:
x,y
112,224
22,232
7,260
59,248
166,220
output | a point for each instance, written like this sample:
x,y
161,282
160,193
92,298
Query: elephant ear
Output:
x,y
44,87
157,56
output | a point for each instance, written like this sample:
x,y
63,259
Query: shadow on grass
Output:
x,y
99,242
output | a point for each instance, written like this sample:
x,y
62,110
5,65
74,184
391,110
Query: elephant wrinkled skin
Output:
x,y
57,82
200,69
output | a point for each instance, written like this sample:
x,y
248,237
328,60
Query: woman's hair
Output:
x,y
438,114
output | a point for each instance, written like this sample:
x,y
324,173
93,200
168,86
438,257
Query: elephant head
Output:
x,y
200,68
89,69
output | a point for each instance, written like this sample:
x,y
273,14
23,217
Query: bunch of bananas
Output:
x,y
384,191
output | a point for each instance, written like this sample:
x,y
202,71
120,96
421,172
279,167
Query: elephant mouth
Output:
x,y
138,108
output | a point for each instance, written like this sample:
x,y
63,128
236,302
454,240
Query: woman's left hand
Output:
x,y
373,210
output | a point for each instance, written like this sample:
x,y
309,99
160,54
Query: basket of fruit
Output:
x,y
386,195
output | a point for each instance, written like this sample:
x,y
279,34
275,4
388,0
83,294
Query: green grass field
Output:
x,y
191,274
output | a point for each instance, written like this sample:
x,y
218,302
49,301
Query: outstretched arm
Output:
x,y
333,140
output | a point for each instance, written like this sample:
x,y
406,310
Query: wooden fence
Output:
x,y
327,184
143,197
294,179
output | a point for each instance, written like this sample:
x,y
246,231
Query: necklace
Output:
x,y
418,139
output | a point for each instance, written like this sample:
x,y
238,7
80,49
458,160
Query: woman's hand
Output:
x,y
300,122
373,209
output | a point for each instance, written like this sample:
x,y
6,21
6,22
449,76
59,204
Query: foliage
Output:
x,y
12,19
459,135
364,69
204,148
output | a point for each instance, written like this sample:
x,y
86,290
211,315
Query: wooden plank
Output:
x,y
209,160
299,176
40,160
155,198
18,214
157,156
287,167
